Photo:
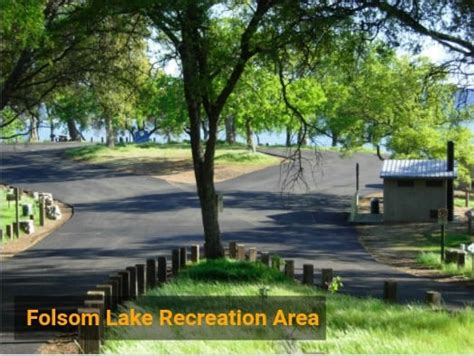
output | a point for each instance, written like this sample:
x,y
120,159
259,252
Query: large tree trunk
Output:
x,y
249,134
210,218
74,133
288,137
203,162
193,49
334,140
109,132
204,173
230,129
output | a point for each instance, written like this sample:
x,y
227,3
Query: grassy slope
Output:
x,y
7,214
224,155
429,255
355,325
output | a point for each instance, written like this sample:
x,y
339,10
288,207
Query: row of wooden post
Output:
x,y
128,284
390,294
134,281
237,251
455,256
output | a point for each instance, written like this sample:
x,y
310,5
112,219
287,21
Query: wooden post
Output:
x,y
97,295
461,259
266,259
276,262
233,249
390,291
162,269
241,252
114,295
125,275
89,335
470,230
183,257
433,298
10,231
150,273
290,268
451,256
141,279
175,262
252,254
97,304
15,228
133,290
116,277
42,213
326,278
467,199
107,289
195,253
17,213
308,274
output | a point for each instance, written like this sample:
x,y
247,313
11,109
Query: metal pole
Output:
x,y
357,177
442,241
17,213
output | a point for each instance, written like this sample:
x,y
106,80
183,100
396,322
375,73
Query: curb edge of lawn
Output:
x,y
5,256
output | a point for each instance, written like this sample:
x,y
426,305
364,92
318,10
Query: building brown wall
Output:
x,y
412,204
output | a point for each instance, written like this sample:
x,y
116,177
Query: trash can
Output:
x,y
375,206
27,209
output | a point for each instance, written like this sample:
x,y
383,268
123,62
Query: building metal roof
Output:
x,y
417,168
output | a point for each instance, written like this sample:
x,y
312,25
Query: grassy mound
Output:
x,y
355,325
225,154
245,157
232,271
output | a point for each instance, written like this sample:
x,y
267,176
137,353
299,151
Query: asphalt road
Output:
x,y
120,219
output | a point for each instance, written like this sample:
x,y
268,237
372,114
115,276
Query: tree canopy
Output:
x,y
308,67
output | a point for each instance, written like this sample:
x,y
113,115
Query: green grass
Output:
x,y
452,240
433,260
225,154
355,325
461,202
99,152
429,255
7,213
245,157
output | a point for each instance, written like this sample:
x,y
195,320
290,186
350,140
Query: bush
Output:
x,y
433,260
429,259
224,270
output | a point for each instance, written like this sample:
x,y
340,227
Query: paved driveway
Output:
x,y
120,219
